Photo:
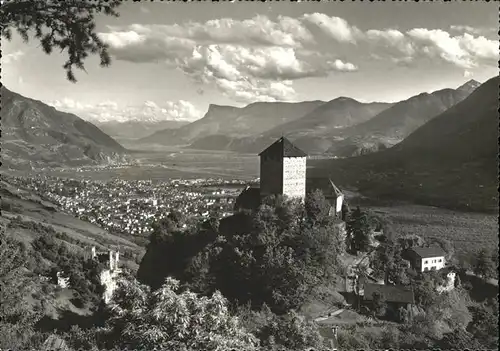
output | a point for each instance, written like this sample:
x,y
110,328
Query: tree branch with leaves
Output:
x,y
66,25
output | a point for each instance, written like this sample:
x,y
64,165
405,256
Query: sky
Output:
x,y
171,60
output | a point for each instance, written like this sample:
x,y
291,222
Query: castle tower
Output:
x,y
111,261
283,170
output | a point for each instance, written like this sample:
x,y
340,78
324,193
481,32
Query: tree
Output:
x,y
484,265
410,240
484,325
173,320
17,318
316,206
276,255
358,228
66,25
290,331
425,291
396,269
350,338
459,340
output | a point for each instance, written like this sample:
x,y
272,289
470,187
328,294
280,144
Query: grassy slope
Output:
x,y
37,210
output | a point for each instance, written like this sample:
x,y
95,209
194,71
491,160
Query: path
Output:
x,y
333,314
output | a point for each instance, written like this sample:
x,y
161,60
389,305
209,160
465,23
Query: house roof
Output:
x,y
390,293
283,148
324,184
427,252
54,343
249,198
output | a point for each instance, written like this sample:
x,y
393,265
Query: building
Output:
x,y
249,199
396,296
424,259
54,343
111,258
283,170
108,277
331,192
62,280
449,281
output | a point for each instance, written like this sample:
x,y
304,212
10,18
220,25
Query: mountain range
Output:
x,y
36,135
309,131
252,119
450,161
341,127
394,124
129,131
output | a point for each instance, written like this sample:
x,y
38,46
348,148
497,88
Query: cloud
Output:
x,y
467,74
12,57
241,72
336,27
252,90
465,51
112,111
253,59
258,59
474,30
259,30
253,56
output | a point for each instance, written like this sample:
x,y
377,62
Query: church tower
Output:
x,y
283,170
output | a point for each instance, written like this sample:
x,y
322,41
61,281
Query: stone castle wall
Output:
x,y
294,177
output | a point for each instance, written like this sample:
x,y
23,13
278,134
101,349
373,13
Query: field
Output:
x,y
467,231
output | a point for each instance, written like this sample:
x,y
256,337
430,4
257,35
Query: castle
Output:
x,y
111,258
283,169
108,276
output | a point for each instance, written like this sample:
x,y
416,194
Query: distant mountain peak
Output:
x,y
35,134
470,85
344,99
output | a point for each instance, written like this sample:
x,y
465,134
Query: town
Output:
x,y
131,207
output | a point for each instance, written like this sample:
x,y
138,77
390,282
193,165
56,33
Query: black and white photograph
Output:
x,y
249,175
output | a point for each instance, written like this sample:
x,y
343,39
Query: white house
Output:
x,y
424,259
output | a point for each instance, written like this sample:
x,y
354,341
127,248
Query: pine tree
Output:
x,y
66,25
358,229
